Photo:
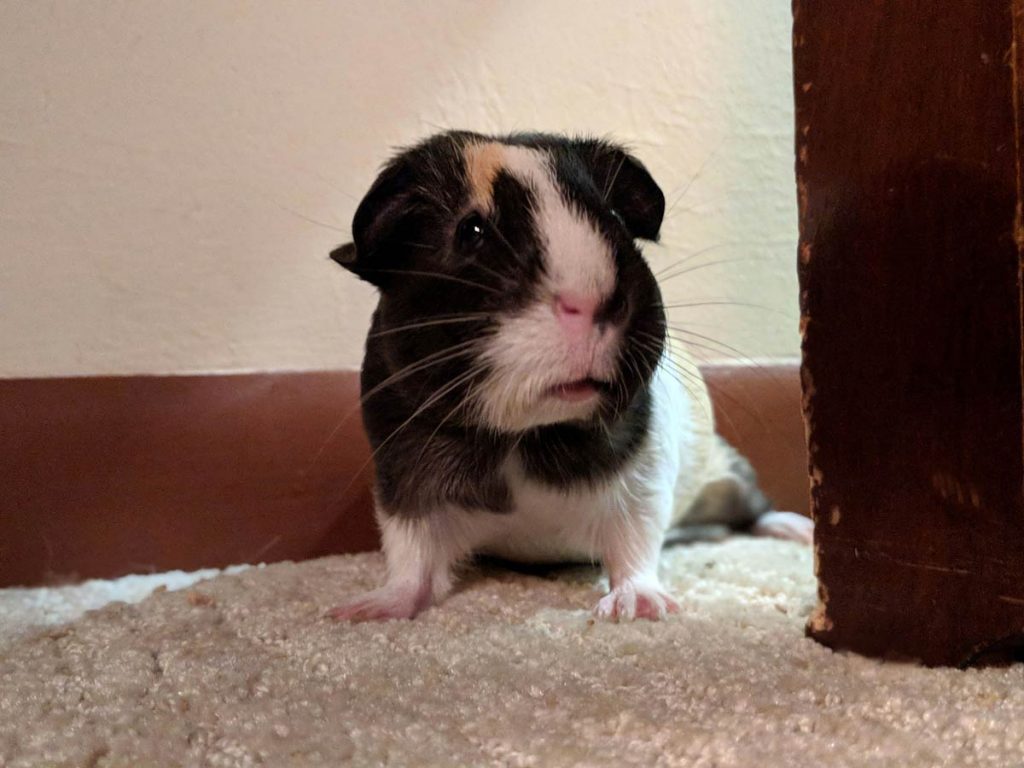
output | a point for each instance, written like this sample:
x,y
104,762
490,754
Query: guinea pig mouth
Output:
x,y
579,390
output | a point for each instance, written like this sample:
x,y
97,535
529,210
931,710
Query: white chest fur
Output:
x,y
549,525
653,491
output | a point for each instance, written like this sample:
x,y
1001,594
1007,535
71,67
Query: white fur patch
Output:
x,y
421,554
577,255
529,354
622,521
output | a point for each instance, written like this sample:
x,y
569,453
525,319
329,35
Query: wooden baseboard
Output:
x,y
104,476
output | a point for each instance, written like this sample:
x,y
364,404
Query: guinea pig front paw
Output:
x,y
631,600
784,525
380,605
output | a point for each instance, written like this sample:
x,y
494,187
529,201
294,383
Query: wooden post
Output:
x,y
908,169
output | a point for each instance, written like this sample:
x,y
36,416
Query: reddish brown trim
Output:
x,y
107,476
757,409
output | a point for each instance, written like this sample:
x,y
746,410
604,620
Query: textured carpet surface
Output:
x,y
241,670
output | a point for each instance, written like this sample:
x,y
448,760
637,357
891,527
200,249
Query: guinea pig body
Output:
x,y
519,392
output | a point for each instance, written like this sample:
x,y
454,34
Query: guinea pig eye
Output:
x,y
618,216
471,232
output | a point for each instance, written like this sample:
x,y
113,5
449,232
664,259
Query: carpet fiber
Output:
x,y
241,670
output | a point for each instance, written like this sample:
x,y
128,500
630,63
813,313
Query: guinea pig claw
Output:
x,y
655,607
630,601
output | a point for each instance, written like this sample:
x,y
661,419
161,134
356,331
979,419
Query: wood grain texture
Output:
x,y
108,476
907,164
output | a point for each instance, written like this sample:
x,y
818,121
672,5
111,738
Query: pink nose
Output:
x,y
575,312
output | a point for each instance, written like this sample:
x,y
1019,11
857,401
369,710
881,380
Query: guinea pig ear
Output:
x,y
345,255
376,251
626,185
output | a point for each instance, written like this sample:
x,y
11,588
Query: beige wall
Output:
x,y
161,161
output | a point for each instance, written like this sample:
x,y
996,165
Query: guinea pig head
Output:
x,y
513,293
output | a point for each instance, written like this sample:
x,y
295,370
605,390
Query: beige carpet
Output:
x,y
242,670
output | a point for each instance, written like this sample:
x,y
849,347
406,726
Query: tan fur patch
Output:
x,y
483,161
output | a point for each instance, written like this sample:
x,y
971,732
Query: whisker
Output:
x,y
428,247
743,359
476,316
696,345
437,275
704,265
438,394
694,382
654,343
309,219
722,346
699,207
722,303
506,243
501,278
674,369
272,199
718,246
465,399
635,364
697,175
435,358
610,184
628,360
721,394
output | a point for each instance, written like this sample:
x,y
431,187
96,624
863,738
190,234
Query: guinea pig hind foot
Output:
x,y
392,601
784,525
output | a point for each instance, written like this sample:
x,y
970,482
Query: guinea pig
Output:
x,y
519,391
